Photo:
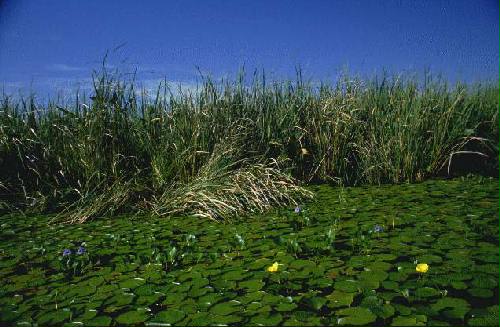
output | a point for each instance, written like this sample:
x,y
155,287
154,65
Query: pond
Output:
x,y
350,257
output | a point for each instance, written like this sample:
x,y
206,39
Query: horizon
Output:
x,y
53,48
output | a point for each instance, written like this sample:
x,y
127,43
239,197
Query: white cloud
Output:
x,y
64,68
150,86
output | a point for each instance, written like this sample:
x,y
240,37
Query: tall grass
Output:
x,y
122,152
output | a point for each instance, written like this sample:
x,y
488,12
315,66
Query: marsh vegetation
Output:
x,y
402,255
235,147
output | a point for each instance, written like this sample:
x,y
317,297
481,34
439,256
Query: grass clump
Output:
x,y
222,190
215,152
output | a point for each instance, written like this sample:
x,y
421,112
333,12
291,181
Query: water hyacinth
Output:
x,y
378,229
66,252
81,250
298,209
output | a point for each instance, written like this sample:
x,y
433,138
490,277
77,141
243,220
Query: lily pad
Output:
x,y
316,302
251,285
339,299
54,317
356,316
480,292
455,308
488,317
267,320
418,320
225,308
484,281
171,316
99,321
132,317
285,307
424,292
349,286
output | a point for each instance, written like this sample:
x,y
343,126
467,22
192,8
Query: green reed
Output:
x,y
122,150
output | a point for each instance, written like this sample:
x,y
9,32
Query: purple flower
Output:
x,y
298,209
378,229
66,252
81,250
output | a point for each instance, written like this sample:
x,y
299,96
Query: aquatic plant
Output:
x,y
362,242
293,246
422,268
232,286
190,241
331,236
299,220
81,250
73,265
273,267
172,258
232,148
239,241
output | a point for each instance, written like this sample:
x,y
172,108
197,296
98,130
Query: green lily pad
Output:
x,y
235,275
377,306
429,259
132,317
379,265
376,275
488,317
225,308
267,320
372,279
339,299
226,320
356,316
459,285
390,285
349,286
316,302
87,315
118,301
99,321
132,283
199,319
251,285
171,316
259,264
222,284
480,292
198,291
285,307
452,307
424,292
302,264
402,309
419,320
484,281
54,317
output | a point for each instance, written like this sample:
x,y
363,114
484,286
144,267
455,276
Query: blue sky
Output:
x,y
49,46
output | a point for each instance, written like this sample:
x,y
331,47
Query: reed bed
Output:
x,y
233,147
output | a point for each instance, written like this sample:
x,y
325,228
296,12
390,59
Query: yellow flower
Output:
x,y
304,151
422,268
273,268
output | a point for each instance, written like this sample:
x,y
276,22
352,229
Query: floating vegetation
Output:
x,y
432,259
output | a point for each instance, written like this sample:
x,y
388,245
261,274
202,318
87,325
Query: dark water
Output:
x,y
348,258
